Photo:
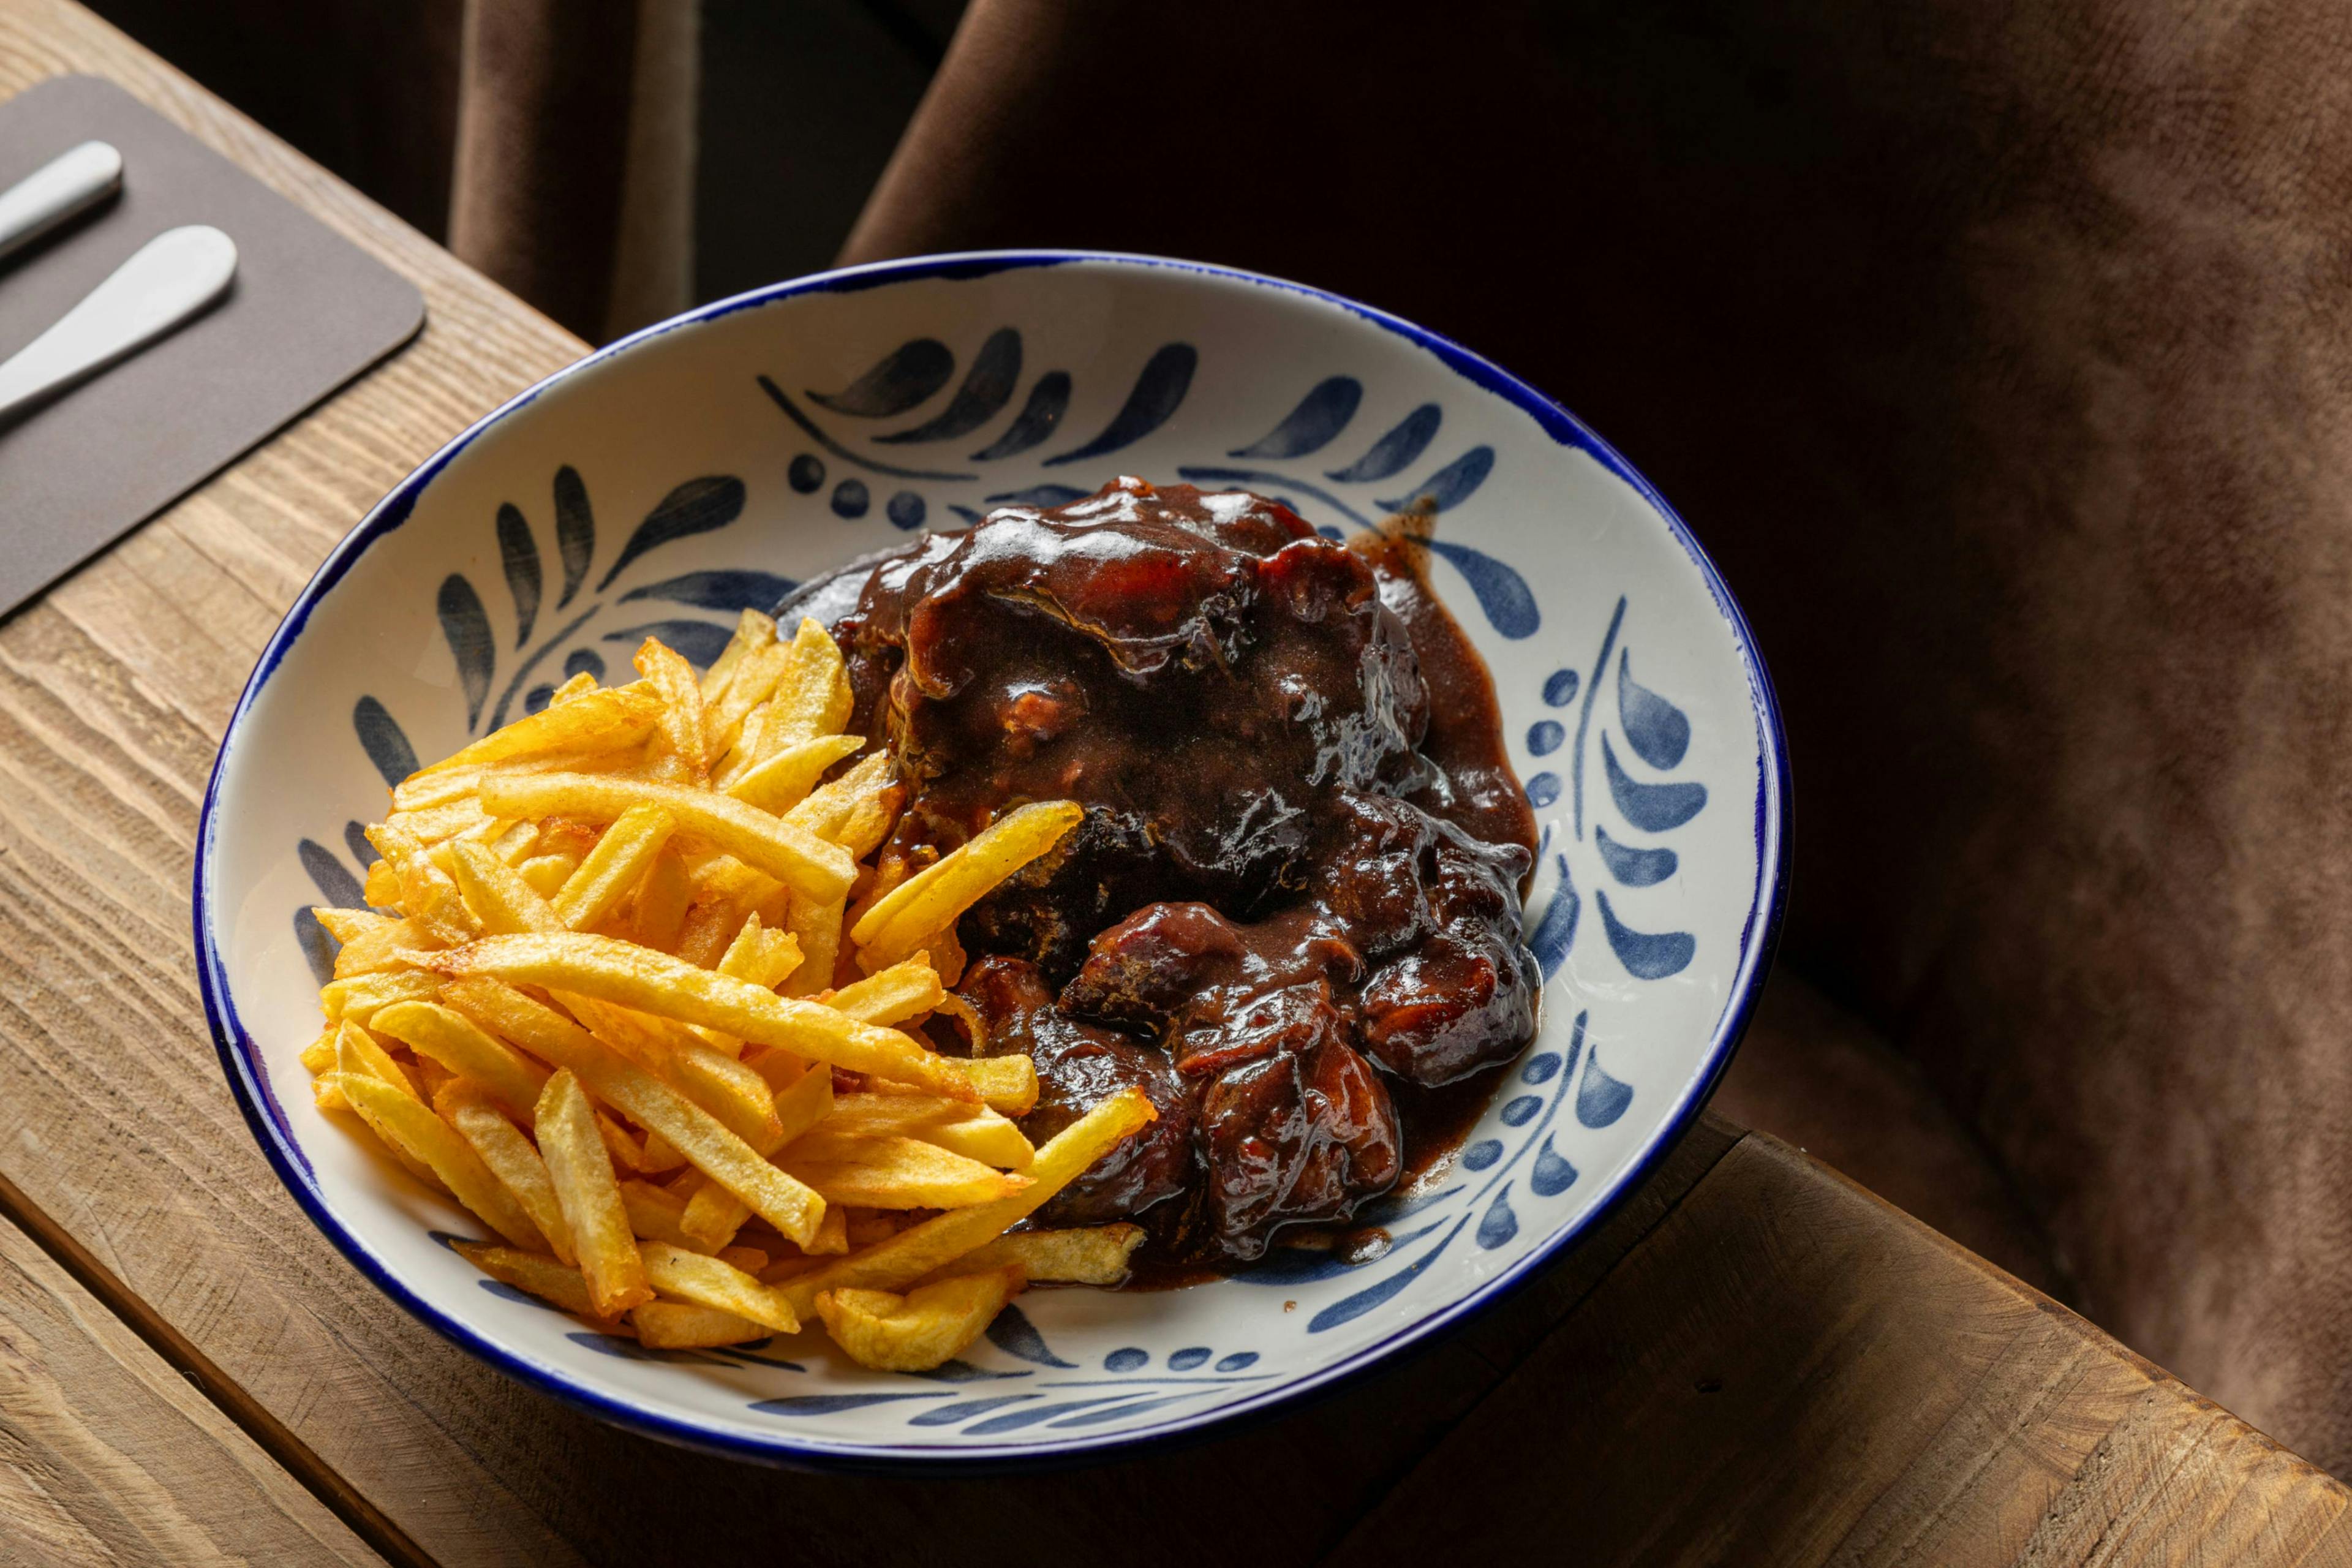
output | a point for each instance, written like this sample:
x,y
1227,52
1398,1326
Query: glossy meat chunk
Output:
x,y
1276,894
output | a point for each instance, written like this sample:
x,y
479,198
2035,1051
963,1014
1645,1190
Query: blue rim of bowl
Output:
x,y
1759,934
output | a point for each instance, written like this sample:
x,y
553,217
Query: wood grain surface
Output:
x,y
1748,1362
108,1456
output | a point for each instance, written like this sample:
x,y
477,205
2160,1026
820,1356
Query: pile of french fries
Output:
x,y
648,999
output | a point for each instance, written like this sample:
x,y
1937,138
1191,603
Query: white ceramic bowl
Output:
x,y
707,463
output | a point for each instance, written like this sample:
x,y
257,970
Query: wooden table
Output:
x,y
1752,1361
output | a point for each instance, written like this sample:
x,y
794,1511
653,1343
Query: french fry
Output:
x,y
579,685
750,1259
752,682
679,728
655,1213
357,1051
905,990
616,865
936,897
706,1281
628,975
855,810
804,1103
501,900
712,1216
427,893
923,1330
458,1044
753,631
833,1236
973,1130
626,1152
659,912
404,1122
1097,1255
608,719
816,929
889,1171
318,1056
1006,1084
369,942
581,1172
682,1326
920,1249
812,697
794,856
661,1155
539,1274
774,1197
361,997
779,782
381,887
546,874
473,1111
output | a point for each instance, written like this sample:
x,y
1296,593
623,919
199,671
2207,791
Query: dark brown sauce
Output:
x,y
1290,914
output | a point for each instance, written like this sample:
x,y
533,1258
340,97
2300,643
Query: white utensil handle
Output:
x,y
66,184
167,281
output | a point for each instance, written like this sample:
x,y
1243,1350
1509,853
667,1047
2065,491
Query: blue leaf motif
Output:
x,y
319,947
575,531
1555,934
1094,1417
1397,450
1450,485
1501,592
1349,1309
382,739
949,1414
1314,425
1040,496
810,429
718,590
695,507
896,382
987,387
1633,868
1016,1335
522,671
832,1403
519,552
1654,728
1188,1358
1500,1223
1048,401
699,641
1553,1174
333,879
1651,808
467,626
1159,391
355,840
1645,957
1599,1099
1031,1417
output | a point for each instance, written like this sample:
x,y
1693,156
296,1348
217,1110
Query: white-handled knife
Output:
x,y
70,183
170,278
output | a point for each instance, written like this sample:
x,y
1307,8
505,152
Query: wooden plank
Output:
x,y
1792,1371
109,1457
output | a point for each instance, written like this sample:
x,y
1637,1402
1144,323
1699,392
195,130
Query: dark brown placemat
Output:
x,y
308,310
